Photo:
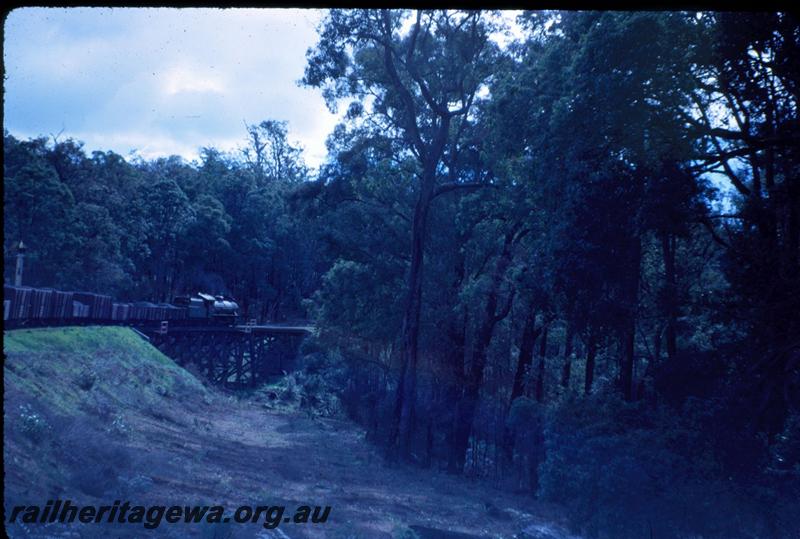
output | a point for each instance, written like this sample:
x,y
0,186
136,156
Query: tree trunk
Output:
x,y
668,249
465,414
399,443
429,155
525,358
567,369
524,362
631,300
429,444
536,457
455,389
540,374
657,344
591,352
626,365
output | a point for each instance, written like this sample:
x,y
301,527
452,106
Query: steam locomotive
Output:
x,y
25,306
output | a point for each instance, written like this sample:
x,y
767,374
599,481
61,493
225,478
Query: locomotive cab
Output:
x,y
207,307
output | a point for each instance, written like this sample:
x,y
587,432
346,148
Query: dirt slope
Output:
x,y
96,415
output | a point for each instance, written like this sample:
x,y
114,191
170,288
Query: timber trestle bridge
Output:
x,y
232,356
200,332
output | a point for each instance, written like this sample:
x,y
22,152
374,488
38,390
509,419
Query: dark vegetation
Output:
x,y
570,266
148,230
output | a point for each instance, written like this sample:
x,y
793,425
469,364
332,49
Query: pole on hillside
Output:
x,y
20,264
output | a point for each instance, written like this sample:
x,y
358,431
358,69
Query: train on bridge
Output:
x,y
28,306
200,329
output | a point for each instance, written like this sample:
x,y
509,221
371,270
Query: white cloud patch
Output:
x,y
182,79
162,81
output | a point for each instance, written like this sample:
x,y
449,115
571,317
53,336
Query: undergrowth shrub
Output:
x,y
119,426
629,470
94,462
32,424
315,387
786,451
289,390
525,423
86,378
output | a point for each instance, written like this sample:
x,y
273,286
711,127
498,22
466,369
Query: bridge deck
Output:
x,y
258,330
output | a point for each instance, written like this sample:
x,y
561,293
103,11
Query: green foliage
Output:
x,y
524,413
353,298
32,425
270,155
315,385
152,230
622,469
786,451
40,210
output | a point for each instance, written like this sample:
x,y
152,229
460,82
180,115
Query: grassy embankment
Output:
x,y
73,397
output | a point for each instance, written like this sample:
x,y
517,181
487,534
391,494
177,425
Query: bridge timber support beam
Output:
x,y
234,357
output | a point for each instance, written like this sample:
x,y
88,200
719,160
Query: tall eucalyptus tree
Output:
x,y
416,76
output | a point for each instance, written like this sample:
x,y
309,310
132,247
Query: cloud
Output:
x,y
161,81
185,80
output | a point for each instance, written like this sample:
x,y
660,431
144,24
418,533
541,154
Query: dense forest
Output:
x,y
568,264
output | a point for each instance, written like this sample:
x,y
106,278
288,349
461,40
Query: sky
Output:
x,y
161,81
